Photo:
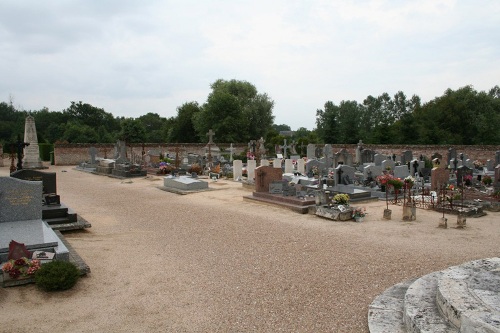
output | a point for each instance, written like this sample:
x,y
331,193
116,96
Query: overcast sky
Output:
x,y
134,57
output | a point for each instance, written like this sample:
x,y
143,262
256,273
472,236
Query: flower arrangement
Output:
x,y
409,181
487,180
396,182
22,267
315,170
467,180
384,179
359,212
164,167
341,199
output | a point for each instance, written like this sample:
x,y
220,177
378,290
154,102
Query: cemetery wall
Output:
x,y
74,154
481,153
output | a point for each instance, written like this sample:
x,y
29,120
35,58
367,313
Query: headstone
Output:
x,y
497,158
276,187
469,163
344,174
277,163
439,178
367,156
20,200
301,166
378,158
406,157
387,164
359,149
314,165
328,153
452,154
93,155
121,149
463,173
237,169
401,171
251,165
289,166
311,151
343,157
262,148
437,155
31,158
48,179
284,148
231,151
490,165
372,170
265,175
496,183
264,162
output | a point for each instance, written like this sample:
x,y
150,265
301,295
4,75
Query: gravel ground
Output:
x,y
211,262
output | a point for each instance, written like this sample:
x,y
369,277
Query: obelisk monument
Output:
x,y
31,159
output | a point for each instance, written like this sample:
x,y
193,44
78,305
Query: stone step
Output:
x,y
421,313
464,298
385,314
469,295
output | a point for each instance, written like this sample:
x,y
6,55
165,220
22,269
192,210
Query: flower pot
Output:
x,y
359,219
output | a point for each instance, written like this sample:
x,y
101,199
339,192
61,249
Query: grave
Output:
x,y
271,189
183,184
31,159
55,213
21,219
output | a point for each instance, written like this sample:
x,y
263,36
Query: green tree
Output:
x,y
182,129
132,131
235,111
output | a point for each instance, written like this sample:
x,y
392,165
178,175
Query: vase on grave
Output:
x,y
443,223
387,214
359,219
461,220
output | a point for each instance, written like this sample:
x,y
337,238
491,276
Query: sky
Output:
x,y
134,57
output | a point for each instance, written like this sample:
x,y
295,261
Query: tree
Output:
x,y
132,131
235,111
182,129
94,117
154,127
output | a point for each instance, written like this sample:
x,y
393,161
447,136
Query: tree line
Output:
x,y
238,113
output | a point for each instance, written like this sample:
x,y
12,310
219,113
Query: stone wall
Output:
x,y
74,154
481,153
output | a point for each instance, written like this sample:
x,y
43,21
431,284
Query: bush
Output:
x,y
57,275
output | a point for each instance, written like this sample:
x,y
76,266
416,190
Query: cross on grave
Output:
x,y
12,159
210,135
252,144
340,172
262,174
231,150
284,147
20,146
177,161
415,167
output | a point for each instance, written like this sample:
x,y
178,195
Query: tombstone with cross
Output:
x,y
210,135
284,147
231,151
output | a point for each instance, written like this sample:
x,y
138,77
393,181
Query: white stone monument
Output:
x,y
31,159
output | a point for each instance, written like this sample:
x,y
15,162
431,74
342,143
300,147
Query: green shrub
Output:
x,y
44,150
57,275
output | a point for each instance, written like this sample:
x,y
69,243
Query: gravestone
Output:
x,y
388,165
463,172
469,163
289,166
277,163
343,157
276,187
237,169
439,178
367,156
301,166
21,219
372,170
452,154
497,158
406,157
490,165
311,151
48,179
20,200
378,158
401,171
496,183
311,165
437,155
120,152
359,149
265,175
415,166
328,154
31,158
264,162
93,155
251,165
344,174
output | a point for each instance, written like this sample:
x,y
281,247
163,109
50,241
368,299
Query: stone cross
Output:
x,y
210,135
231,151
284,147
93,153
177,160
20,147
262,148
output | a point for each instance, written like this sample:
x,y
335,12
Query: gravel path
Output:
x,y
211,262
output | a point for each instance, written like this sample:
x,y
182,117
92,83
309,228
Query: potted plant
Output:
x,y
341,199
487,180
358,214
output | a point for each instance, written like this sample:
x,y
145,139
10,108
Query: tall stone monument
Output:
x,y
31,159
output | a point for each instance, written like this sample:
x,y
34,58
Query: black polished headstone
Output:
x,y
48,179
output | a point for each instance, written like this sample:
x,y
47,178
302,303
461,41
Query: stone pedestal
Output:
x,y
443,223
31,158
387,214
461,221
409,213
